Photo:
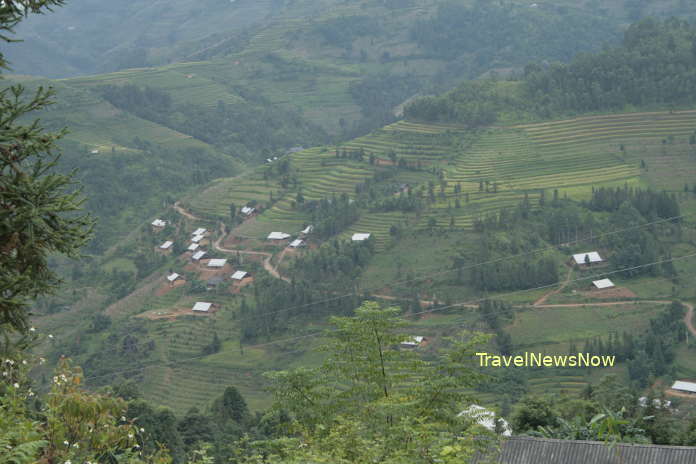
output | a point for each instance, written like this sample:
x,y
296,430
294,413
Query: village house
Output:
x,y
166,247
297,243
217,263
198,255
278,236
200,231
158,225
684,386
307,230
248,210
201,307
602,284
240,275
412,342
583,259
530,450
360,237
197,238
193,247
173,277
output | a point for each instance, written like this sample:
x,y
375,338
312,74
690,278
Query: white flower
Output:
x,y
123,418
136,446
65,442
24,361
50,336
16,385
32,329
75,445
68,462
31,393
9,361
42,360
130,435
4,373
142,430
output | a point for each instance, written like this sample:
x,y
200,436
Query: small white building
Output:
x,y
198,255
412,342
217,263
166,245
278,236
307,230
193,247
593,256
602,284
202,307
657,402
197,238
94,152
173,277
360,237
486,418
248,210
159,223
297,243
688,387
240,275
199,231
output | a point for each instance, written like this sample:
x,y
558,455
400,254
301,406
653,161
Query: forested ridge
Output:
x,y
654,67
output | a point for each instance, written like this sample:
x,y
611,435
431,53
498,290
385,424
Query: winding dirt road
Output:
x,y
223,233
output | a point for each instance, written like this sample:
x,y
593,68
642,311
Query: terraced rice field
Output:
x,y
184,87
216,198
414,142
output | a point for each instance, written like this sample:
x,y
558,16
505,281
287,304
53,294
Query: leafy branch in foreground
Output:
x,y
373,402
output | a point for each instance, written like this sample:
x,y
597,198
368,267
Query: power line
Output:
x,y
257,315
429,311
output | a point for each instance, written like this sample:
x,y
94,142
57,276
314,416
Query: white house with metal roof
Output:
x,y
166,245
602,284
159,223
248,210
681,385
199,231
412,342
307,230
197,238
360,237
202,307
198,255
581,258
278,236
173,277
240,275
193,247
297,243
217,263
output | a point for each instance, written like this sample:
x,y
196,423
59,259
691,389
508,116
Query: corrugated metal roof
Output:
x,y
278,236
602,284
239,275
593,255
360,237
527,450
684,386
202,306
217,263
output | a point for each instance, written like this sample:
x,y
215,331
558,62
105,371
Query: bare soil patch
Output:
x,y
610,293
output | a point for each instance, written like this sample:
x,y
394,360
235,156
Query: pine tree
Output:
x,y
39,214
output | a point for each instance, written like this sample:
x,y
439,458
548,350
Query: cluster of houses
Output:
x,y
296,243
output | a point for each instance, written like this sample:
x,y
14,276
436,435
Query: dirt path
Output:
x,y
267,256
179,209
543,299
689,318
